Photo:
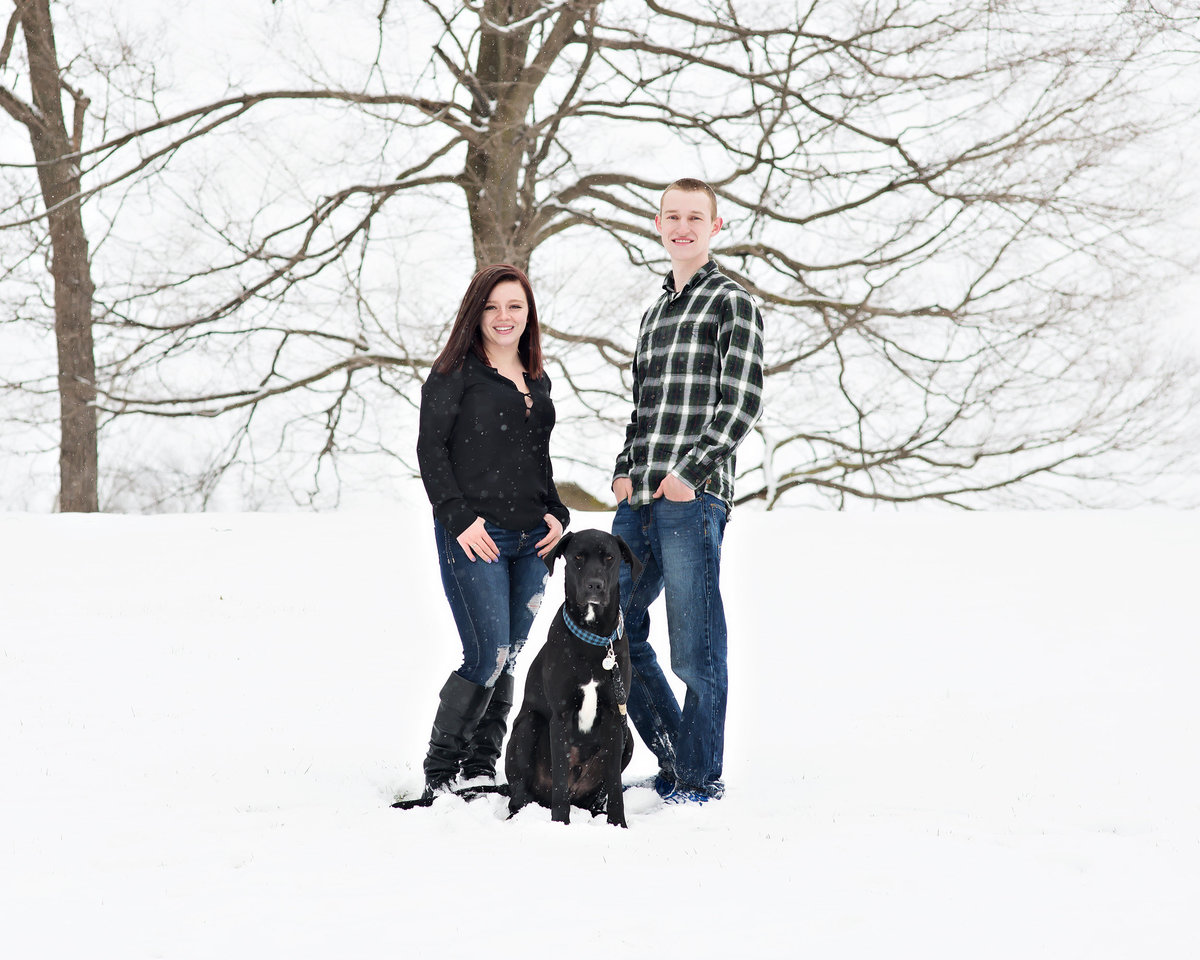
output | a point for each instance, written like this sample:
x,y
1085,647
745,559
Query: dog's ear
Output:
x,y
557,551
635,565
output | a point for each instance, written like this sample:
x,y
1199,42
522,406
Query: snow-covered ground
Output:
x,y
950,735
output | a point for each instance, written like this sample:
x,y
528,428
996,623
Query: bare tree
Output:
x,y
56,149
939,204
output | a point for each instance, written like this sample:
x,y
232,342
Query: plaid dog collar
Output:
x,y
594,638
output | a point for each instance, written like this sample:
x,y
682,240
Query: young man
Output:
x,y
697,391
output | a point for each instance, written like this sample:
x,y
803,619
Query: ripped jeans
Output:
x,y
494,604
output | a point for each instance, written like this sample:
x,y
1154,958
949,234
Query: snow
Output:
x,y
950,735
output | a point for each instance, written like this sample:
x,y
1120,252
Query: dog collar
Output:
x,y
594,638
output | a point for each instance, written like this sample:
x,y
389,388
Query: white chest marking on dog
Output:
x,y
587,709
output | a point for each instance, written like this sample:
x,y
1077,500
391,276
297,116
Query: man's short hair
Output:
x,y
692,185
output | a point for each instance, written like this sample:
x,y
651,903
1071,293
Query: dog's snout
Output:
x,y
593,585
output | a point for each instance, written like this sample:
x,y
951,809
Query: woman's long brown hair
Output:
x,y
465,337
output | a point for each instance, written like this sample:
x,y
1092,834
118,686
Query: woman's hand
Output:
x,y
476,542
549,540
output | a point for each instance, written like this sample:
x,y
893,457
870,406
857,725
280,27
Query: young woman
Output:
x,y
484,453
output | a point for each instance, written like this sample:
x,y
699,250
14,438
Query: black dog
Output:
x,y
570,740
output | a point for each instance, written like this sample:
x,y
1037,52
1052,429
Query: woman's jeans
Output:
x,y
494,604
679,545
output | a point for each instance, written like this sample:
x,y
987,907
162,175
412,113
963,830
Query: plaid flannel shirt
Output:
x,y
697,386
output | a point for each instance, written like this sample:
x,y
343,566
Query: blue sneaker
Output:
x,y
682,795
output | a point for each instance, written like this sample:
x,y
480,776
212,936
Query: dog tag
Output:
x,y
609,662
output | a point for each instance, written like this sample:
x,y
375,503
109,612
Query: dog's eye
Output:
x,y
608,559
579,559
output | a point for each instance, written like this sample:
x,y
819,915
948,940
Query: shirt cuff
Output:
x,y
682,479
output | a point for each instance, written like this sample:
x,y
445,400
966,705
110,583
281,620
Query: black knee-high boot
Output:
x,y
483,750
461,704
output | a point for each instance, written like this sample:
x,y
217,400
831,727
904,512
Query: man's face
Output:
x,y
686,225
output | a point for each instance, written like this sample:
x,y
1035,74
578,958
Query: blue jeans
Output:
x,y
494,604
679,545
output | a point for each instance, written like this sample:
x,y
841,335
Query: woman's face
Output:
x,y
504,317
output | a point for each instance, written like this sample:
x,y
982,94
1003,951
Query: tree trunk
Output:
x,y
493,165
58,171
500,201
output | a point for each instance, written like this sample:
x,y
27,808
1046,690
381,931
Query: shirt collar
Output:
x,y
703,273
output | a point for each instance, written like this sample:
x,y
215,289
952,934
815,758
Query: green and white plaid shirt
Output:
x,y
697,386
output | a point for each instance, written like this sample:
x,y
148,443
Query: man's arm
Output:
x,y
624,459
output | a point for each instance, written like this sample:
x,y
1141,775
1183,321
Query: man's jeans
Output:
x,y
679,544
494,604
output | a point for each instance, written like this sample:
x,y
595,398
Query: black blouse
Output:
x,y
481,455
